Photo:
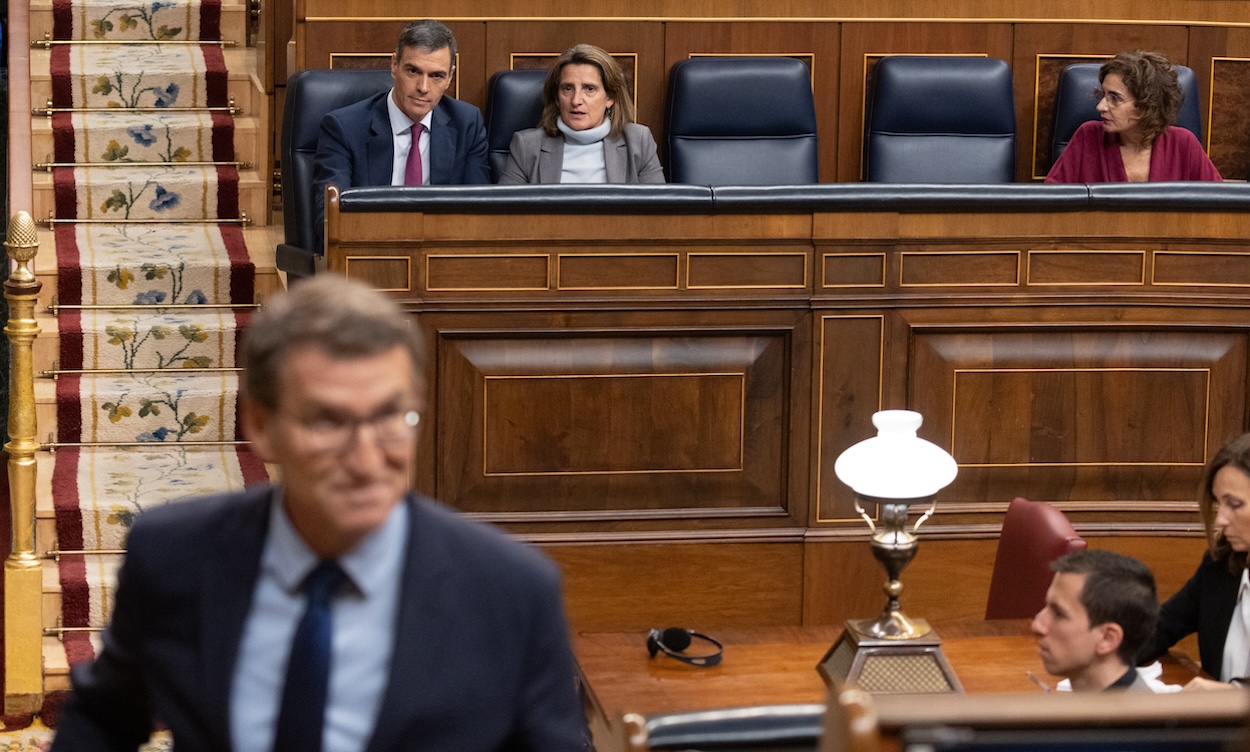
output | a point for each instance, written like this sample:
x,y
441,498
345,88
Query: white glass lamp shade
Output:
x,y
896,463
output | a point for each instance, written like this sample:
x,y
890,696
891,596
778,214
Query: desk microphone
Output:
x,y
674,641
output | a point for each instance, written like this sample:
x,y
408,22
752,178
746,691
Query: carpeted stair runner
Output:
x,y
154,286
147,193
138,76
119,138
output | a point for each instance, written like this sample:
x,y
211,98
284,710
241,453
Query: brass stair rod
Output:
x,y
23,579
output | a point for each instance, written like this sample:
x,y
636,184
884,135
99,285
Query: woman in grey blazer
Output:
x,y
587,133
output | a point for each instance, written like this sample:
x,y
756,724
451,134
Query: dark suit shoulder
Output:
x,y
363,109
460,111
479,545
172,529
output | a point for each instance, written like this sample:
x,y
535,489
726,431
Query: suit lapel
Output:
x,y
615,160
422,601
442,147
228,581
550,159
380,149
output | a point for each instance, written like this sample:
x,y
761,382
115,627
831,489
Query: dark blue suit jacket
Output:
x,y
356,147
482,659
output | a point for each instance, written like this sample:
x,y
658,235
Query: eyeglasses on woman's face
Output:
x,y
1114,98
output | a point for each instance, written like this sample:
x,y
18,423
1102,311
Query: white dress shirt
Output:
x,y
1237,643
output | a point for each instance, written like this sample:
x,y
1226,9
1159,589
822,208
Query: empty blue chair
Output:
x,y
741,121
934,119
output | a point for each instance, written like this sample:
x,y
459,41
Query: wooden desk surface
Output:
x,y
778,665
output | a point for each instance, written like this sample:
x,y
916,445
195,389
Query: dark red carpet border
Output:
x,y
64,140
63,19
215,76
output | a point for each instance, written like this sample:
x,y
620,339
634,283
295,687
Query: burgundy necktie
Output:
x,y
413,174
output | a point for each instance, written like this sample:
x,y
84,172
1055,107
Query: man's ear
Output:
x,y
1112,635
256,422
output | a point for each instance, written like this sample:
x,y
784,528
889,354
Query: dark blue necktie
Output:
x,y
301,717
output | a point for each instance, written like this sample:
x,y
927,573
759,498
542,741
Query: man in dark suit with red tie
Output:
x,y
370,142
335,611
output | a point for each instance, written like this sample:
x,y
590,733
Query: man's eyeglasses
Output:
x,y
1114,98
331,433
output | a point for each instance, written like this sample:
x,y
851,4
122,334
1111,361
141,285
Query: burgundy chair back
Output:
x,y
1035,533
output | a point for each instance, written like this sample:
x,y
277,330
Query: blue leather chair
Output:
x,y
740,121
310,95
1075,103
940,120
514,102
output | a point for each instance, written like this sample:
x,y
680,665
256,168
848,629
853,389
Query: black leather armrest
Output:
x,y
537,199
1176,196
901,197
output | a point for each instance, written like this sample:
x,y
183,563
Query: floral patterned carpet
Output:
x,y
154,284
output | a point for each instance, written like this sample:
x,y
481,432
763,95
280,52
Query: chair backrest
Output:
x,y
1075,103
715,136
310,94
937,119
754,729
1035,533
514,102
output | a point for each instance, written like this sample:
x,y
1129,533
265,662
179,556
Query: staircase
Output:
x,y
152,159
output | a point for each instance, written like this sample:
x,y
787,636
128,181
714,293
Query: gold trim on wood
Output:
x,y
470,256
1083,252
742,392
824,258
820,401
903,256
1199,462
1153,267
676,276
800,286
407,261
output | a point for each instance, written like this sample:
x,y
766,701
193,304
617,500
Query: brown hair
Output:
x,y
1236,454
343,317
622,110
1151,80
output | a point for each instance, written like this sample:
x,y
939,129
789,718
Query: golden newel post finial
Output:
x,y
23,626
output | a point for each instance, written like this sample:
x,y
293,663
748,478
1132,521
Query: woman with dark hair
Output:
x,y
587,133
1215,602
1135,141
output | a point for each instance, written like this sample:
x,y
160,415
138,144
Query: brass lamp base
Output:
x,y
889,665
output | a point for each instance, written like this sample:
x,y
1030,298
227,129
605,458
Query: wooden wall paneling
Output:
x,y
850,383
1227,11
1078,416
841,579
865,43
363,43
702,586
638,47
815,43
1041,51
647,417
1228,137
